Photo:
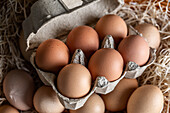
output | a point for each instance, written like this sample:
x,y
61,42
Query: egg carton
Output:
x,y
101,85
52,18
44,10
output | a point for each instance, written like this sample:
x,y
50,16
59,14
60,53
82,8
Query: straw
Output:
x,y
13,12
154,13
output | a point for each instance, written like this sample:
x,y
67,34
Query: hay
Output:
x,y
13,12
153,12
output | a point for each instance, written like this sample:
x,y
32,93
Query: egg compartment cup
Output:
x,y
132,70
101,84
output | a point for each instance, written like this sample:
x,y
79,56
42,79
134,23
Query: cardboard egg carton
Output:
x,y
54,19
51,19
101,85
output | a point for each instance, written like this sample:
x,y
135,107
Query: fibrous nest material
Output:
x,y
156,13
13,12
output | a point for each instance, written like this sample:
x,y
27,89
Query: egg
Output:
x,y
134,48
150,33
8,109
106,62
74,81
111,25
118,98
18,87
23,46
146,99
46,101
84,38
52,55
94,104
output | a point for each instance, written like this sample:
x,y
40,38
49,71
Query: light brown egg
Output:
x,y
118,98
106,62
46,101
23,46
94,104
74,81
146,99
8,109
151,34
134,48
52,55
111,25
18,87
84,38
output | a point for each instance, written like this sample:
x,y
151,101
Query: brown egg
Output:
x,y
84,38
146,99
8,109
74,81
94,104
118,98
134,48
111,25
18,87
66,111
46,101
23,46
151,34
106,62
52,55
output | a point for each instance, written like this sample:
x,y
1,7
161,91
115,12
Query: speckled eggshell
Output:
x,y
52,55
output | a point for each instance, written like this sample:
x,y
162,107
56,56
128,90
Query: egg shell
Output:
x,y
52,55
94,104
106,62
146,99
111,25
46,101
8,109
84,38
150,33
118,98
134,48
74,81
18,87
23,46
